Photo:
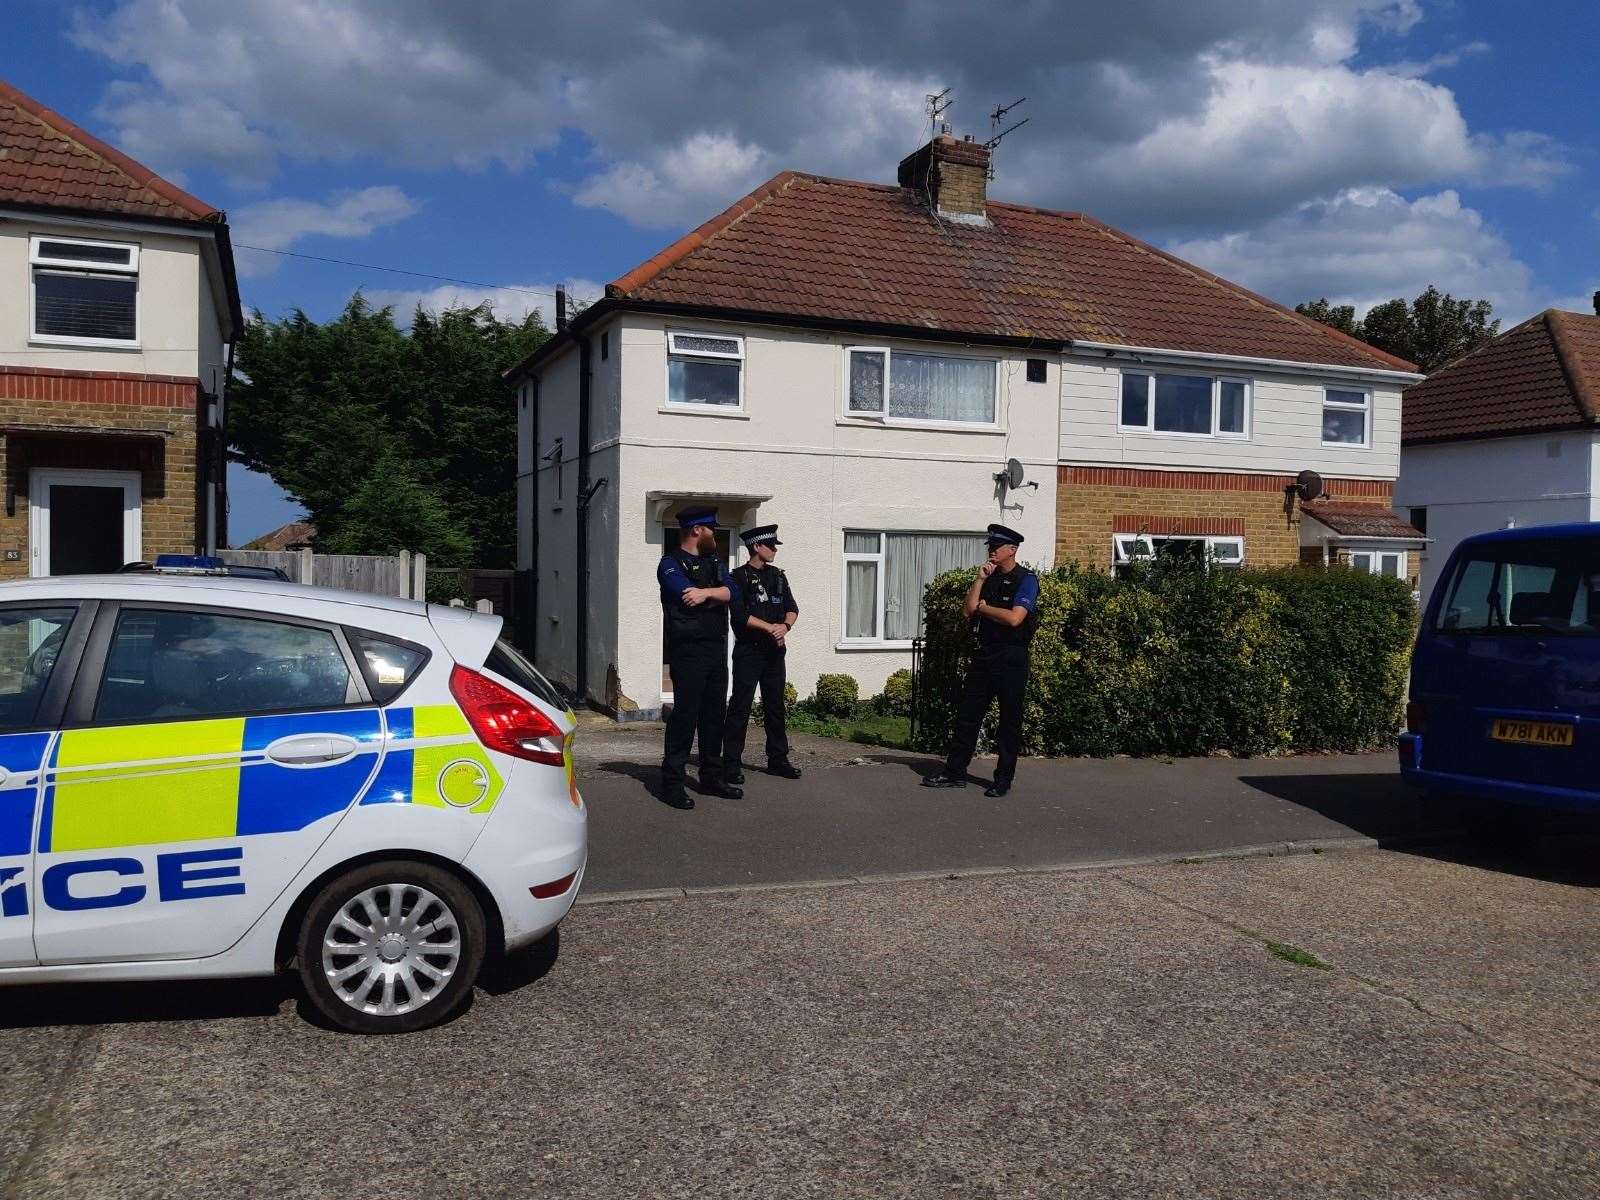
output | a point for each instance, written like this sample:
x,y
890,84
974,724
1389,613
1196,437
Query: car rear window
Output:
x,y
504,660
388,663
1549,586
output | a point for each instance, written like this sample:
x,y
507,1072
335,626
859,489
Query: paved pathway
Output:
x,y
860,812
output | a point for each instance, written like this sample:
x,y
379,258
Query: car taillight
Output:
x,y
1416,716
504,721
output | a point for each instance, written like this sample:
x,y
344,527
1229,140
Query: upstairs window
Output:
x,y
1192,405
85,293
705,371
905,386
1345,417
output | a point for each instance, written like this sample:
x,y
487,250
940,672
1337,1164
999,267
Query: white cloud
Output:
x,y
1194,117
282,223
510,302
1368,245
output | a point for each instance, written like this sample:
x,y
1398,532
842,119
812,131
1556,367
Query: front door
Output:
x,y
207,755
82,522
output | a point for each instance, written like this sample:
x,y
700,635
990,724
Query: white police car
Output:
x,y
204,776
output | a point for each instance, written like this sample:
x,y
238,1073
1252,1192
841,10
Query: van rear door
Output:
x,y
1509,671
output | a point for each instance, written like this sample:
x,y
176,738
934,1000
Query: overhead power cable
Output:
x,y
345,262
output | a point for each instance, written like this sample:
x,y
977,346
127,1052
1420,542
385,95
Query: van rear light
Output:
x,y
504,721
1416,716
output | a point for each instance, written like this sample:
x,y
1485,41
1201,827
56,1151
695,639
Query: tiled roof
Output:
x,y
833,250
1541,375
1349,519
48,162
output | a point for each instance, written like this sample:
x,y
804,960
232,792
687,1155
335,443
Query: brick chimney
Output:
x,y
952,174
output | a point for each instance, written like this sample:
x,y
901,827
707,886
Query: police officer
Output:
x,y
763,610
695,594
1001,605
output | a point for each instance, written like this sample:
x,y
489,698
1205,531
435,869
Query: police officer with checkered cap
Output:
x,y
764,611
1001,604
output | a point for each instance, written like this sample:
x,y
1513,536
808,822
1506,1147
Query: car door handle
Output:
x,y
312,749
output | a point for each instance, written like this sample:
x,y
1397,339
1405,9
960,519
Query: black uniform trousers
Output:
x,y
998,671
699,706
755,665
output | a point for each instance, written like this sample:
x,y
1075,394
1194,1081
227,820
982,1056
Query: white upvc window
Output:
x,y
1391,563
1207,551
915,387
885,573
1346,417
84,292
1166,402
705,372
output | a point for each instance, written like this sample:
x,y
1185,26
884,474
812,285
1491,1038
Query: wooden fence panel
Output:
x,y
382,575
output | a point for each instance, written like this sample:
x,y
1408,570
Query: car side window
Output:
x,y
168,664
30,642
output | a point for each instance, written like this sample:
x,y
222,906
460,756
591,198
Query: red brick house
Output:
x,y
118,308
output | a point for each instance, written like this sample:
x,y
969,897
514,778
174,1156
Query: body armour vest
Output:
x,y
692,626
999,591
766,598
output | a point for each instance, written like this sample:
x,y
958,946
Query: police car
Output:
x,y
205,776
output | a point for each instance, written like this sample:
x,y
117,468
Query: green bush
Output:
x,y
790,699
836,695
895,699
1177,661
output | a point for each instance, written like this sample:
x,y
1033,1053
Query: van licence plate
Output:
x,y
1532,733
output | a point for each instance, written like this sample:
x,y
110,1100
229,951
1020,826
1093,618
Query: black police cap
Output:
x,y
761,533
1001,535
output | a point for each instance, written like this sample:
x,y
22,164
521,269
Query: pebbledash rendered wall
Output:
x,y
824,471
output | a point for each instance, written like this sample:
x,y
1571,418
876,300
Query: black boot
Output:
x,y
715,787
998,788
944,780
734,775
783,770
677,798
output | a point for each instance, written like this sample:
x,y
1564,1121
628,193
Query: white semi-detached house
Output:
x,y
858,363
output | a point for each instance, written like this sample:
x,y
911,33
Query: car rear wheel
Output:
x,y
391,947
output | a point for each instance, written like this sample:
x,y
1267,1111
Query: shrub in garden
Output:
x,y
836,696
790,699
1174,660
895,699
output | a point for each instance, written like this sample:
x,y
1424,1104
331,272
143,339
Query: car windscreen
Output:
x,y
505,661
1539,586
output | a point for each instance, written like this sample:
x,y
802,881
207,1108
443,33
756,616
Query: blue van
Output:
x,y
1505,680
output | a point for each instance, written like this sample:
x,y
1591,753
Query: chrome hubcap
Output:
x,y
391,949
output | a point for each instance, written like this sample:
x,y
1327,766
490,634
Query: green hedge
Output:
x,y
1177,661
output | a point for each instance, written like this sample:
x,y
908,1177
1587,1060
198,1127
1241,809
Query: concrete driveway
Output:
x,y
1351,1023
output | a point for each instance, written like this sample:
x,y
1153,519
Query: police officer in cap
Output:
x,y
1001,605
695,594
763,610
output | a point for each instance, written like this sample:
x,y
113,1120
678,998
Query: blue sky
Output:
x,y
1358,149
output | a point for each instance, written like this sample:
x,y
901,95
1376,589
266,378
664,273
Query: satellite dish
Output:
x,y
1308,484
1013,474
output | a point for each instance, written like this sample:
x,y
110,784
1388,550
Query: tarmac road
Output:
x,y
1120,1032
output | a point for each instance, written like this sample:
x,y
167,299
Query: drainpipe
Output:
x,y
583,497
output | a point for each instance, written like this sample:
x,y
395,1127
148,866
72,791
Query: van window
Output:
x,y
168,664
30,641
1549,586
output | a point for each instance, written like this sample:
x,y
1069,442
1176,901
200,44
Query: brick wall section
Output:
x,y
69,400
1092,503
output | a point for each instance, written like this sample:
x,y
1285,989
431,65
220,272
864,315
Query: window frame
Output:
x,y
1120,558
85,692
39,262
1365,408
881,558
69,662
1375,555
881,416
668,404
1217,380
